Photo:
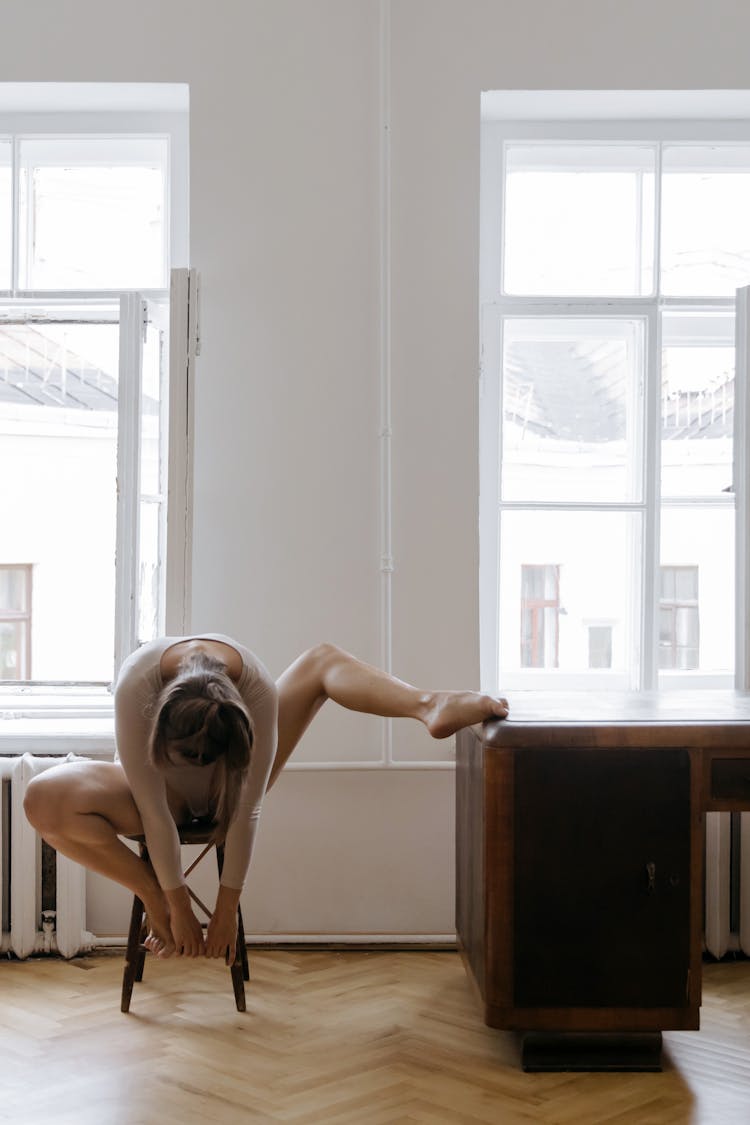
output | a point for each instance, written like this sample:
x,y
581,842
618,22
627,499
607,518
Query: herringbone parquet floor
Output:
x,y
329,1038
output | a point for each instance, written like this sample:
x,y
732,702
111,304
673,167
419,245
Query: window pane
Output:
x,y
579,220
686,584
539,633
667,585
697,543
93,213
532,634
14,589
153,401
597,558
572,409
705,247
58,414
13,650
148,573
6,214
686,627
600,646
539,582
697,404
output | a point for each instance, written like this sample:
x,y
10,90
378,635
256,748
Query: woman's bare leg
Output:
x,y
327,672
80,809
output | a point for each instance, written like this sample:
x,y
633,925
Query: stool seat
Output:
x,y
195,832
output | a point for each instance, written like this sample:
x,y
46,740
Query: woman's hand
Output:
x,y
187,932
221,935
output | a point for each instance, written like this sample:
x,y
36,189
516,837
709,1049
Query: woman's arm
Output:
x,y
262,701
133,700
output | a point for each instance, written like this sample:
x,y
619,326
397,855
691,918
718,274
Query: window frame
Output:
x,y
15,126
496,305
74,700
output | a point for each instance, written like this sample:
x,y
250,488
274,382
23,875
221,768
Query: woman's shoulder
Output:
x,y
255,680
143,663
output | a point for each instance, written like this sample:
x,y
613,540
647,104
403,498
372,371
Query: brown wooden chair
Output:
x,y
197,832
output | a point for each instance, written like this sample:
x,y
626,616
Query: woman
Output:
x,y
201,730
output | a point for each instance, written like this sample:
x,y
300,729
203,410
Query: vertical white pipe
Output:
x,y
386,483
24,865
648,670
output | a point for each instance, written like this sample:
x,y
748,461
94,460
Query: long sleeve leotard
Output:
x,y
136,691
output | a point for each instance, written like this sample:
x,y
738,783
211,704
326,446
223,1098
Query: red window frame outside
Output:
x,y
536,607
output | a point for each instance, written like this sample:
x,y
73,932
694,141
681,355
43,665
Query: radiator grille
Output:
x,y
33,878
727,883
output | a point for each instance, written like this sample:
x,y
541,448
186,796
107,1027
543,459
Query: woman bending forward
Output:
x,y
202,731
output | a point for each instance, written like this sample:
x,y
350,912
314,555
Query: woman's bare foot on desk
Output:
x,y
449,711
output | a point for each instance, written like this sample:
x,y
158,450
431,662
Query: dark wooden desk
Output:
x,y
579,848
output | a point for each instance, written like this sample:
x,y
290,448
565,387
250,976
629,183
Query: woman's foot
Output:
x,y
159,939
449,711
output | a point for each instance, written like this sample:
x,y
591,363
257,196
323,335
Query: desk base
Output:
x,y
591,1051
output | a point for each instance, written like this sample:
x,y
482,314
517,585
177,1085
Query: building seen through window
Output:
x,y
540,610
600,646
679,623
15,622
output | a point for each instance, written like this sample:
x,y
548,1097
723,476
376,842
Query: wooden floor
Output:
x,y
352,1038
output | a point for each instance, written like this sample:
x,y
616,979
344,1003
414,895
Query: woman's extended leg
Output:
x,y
80,809
327,672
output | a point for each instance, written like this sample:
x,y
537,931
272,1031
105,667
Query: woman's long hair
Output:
x,y
200,718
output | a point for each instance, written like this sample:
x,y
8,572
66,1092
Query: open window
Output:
x,y
96,347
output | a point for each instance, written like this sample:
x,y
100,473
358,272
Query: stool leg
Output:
x,y
238,977
134,954
243,946
239,969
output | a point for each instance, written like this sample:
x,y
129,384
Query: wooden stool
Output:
x,y
197,832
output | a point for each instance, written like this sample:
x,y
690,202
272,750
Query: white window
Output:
x,y
611,251
15,621
92,225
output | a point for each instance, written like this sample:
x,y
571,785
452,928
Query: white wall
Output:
x,y
286,230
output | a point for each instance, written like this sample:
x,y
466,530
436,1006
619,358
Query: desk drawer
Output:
x,y
730,779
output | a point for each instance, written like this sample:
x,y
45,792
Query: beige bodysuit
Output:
x,y
138,686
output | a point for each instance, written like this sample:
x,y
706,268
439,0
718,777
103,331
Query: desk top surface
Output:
x,y
696,714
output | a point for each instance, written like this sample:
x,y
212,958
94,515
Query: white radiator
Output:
x,y
23,930
727,883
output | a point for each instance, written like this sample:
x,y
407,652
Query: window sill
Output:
x,y
52,720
